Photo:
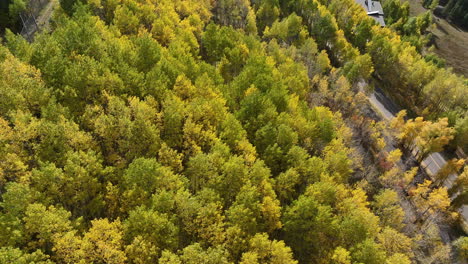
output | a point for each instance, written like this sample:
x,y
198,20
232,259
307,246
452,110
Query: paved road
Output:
x,y
433,163
388,110
382,103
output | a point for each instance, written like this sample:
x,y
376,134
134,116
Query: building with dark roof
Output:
x,y
374,9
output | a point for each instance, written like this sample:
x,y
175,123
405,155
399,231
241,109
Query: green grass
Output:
x,y
450,41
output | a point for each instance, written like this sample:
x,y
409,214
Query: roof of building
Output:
x,y
374,9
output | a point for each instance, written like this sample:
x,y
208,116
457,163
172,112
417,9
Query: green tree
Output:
x,y
128,129
68,6
196,254
77,186
462,247
232,12
15,7
254,211
394,242
145,177
387,206
268,11
433,137
368,252
290,30
155,229
337,161
398,258
42,225
341,256
307,224
262,250
16,255
14,203
102,243
21,87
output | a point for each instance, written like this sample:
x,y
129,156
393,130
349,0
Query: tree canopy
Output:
x,y
216,131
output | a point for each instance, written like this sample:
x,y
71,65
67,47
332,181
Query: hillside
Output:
x,y
449,40
228,131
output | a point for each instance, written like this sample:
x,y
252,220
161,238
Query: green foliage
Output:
x,y
21,87
42,225
396,11
68,5
462,247
16,7
456,11
196,254
368,252
439,62
268,11
232,12
304,222
263,250
192,131
152,227
289,30
387,207
15,255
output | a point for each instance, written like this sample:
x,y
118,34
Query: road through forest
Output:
x,y
388,110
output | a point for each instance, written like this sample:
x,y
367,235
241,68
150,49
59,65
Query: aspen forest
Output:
x,y
229,131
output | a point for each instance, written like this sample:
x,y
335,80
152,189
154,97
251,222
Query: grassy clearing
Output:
x,y
451,42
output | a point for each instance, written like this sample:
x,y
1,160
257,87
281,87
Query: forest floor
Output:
x,y
43,20
450,40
